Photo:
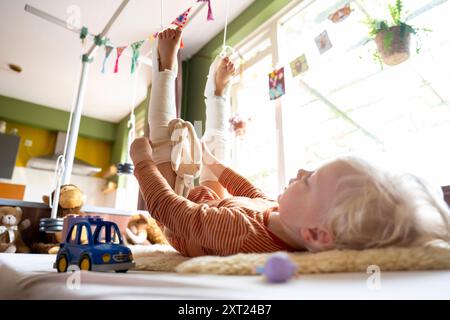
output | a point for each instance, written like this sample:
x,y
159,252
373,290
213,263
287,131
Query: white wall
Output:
x,y
127,197
41,182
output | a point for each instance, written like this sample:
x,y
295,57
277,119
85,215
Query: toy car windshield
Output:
x,y
105,234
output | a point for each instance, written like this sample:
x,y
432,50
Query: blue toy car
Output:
x,y
93,244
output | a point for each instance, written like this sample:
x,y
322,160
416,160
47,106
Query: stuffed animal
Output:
x,y
144,230
11,227
71,199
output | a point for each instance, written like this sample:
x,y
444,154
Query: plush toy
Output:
x,y
11,227
71,199
278,268
144,230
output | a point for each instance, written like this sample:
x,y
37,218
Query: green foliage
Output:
x,y
396,19
375,26
396,13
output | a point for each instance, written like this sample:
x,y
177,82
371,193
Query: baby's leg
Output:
x,y
162,107
218,110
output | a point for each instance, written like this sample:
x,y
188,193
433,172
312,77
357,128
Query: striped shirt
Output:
x,y
204,224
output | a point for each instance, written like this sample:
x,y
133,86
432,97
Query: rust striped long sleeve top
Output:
x,y
204,224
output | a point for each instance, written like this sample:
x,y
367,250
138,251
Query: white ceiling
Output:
x,y
49,54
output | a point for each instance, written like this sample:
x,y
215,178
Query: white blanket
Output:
x,y
30,276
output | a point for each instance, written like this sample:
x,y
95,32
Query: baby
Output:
x,y
346,203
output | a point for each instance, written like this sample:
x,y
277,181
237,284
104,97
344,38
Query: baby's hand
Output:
x,y
140,150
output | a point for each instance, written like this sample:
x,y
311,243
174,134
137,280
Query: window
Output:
x,y
345,103
101,235
108,234
84,240
259,165
73,235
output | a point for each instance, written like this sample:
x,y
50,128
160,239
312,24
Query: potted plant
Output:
x,y
392,38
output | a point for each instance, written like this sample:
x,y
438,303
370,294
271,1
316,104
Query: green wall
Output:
x,y
39,116
120,146
196,69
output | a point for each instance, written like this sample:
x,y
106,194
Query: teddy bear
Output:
x,y
71,199
144,230
11,226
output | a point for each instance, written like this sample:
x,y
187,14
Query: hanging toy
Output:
x,y
210,14
278,268
108,51
119,53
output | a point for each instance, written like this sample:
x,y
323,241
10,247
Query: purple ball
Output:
x,y
279,268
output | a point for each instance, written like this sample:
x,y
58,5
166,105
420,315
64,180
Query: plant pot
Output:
x,y
393,45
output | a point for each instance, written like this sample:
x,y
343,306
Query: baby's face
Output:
x,y
305,201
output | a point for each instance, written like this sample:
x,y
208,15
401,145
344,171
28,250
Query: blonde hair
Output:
x,y
376,208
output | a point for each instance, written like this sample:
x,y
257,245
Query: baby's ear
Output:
x,y
317,238
325,238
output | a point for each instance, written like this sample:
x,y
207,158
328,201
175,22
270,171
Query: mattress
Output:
x,y
30,276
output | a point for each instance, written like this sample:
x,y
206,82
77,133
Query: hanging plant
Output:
x,y
393,38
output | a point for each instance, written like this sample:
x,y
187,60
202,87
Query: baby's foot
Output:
x,y
168,46
224,73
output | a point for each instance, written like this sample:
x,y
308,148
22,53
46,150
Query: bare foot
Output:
x,y
224,73
168,46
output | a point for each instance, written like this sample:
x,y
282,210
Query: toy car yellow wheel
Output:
x,y
62,263
85,263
